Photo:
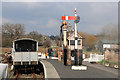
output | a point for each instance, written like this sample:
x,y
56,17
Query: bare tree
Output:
x,y
11,32
18,30
35,35
47,43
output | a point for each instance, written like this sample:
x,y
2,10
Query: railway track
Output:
x,y
35,72
34,76
18,76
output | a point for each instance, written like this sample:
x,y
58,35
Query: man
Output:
x,y
49,52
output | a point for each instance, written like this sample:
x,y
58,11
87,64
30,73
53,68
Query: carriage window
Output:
x,y
17,46
33,47
25,46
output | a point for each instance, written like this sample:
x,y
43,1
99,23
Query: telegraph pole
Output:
x,y
76,41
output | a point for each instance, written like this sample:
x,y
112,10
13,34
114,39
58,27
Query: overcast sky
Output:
x,y
45,17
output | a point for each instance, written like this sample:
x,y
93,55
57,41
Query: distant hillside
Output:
x,y
90,40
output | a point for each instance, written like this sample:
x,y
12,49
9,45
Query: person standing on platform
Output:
x,y
46,54
49,52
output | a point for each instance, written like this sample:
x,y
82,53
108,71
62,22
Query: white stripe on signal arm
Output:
x,y
66,17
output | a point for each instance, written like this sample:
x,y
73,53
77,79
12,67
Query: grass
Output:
x,y
102,62
113,61
110,63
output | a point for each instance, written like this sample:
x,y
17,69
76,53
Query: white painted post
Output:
x,y
75,31
76,43
37,52
13,53
65,41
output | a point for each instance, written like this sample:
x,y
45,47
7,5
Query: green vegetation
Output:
x,y
111,64
54,47
102,62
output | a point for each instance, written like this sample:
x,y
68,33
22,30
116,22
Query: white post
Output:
x,y
76,56
37,52
65,41
37,47
13,53
75,32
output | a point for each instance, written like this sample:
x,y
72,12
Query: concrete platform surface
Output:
x,y
92,72
4,71
102,67
49,70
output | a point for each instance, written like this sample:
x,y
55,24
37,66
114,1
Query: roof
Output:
x,y
79,36
25,39
109,41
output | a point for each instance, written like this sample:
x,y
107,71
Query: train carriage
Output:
x,y
25,53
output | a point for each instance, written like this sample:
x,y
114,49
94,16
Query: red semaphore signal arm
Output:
x,y
69,17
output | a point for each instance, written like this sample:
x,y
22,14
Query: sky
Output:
x,y
45,17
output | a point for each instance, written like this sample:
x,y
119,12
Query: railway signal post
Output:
x,y
76,37
65,42
78,54
67,54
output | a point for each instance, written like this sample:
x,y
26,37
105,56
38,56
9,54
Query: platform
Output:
x,y
65,72
4,71
49,70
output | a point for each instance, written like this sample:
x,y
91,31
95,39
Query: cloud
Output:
x,y
32,22
42,16
51,23
32,5
105,8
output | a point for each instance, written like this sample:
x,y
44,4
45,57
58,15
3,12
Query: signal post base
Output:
x,y
81,68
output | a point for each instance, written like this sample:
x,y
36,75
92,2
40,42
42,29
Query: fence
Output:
x,y
96,58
